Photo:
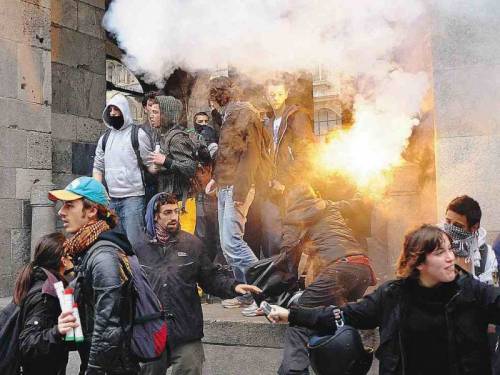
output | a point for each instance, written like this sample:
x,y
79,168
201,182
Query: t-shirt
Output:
x,y
276,128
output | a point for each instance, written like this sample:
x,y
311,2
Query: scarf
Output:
x,y
162,234
85,237
465,244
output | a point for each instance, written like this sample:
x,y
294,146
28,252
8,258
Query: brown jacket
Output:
x,y
291,152
241,148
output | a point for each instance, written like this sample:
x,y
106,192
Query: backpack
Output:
x,y
149,326
200,150
11,323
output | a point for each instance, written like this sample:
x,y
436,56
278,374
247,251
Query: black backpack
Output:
x,y
149,326
11,323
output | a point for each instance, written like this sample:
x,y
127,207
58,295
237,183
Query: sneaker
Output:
x,y
240,301
252,310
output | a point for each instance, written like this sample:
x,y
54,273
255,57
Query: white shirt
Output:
x,y
276,128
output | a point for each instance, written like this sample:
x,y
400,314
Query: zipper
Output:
x,y
451,351
403,362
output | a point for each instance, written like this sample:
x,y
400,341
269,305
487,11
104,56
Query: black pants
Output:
x,y
337,284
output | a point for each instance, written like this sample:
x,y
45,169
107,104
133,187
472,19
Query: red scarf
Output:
x,y
85,237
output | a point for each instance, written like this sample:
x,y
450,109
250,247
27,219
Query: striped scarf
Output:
x,y
85,237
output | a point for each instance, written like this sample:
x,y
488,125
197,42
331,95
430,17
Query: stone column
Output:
x,y
43,218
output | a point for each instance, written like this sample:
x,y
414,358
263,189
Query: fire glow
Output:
x,y
367,153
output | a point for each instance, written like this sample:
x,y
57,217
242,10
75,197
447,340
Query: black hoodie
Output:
x,y
104,304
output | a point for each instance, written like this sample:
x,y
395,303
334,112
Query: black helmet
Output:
x,y
340,354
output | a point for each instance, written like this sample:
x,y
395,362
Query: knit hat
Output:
x,y
171,108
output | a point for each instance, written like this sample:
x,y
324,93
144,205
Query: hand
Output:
x,y
278,314
245,288
65,322
211,187
157,158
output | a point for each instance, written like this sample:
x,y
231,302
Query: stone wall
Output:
x,y
25,124
78,85
466,69
52,92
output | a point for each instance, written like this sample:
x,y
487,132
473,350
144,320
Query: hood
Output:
x,y
119,239
121,102
150,216
303,206
171,111
482,233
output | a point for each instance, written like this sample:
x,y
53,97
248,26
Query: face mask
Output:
x,y
464,243
116,122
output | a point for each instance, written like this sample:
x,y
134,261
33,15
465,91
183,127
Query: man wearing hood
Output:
x,y
338,268
122,167
472,253
175,262
99,254
176,156
238,171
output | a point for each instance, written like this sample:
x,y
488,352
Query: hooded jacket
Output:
x,y
291,149
468,313
119,163
174,270
180,164
241,145
315,226
104,305
41,347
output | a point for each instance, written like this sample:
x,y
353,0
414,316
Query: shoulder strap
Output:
x,y
134,138
105,139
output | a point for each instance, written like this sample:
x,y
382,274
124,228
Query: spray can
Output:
x,y
68,306
78,330
157,148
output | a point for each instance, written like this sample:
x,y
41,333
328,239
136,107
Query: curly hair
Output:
x,y
103,213
417,245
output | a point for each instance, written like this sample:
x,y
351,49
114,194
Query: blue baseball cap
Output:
x,y
83,187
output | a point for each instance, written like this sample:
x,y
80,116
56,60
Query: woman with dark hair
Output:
x,y
41,341
433,318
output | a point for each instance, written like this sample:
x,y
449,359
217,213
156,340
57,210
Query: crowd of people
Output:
x,y
203,207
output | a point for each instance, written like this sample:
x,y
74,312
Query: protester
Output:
x,y
338,268
147,102
41,341
432,319
237,170
105,302
122,165
176,262
463,225
291,131
176,158
203,130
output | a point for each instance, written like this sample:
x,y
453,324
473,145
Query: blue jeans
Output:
x,y
231,230
130,211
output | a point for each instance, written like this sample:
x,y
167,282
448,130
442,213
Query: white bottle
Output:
x,y
59,287
68,306
78,330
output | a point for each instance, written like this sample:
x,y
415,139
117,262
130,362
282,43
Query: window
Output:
x,y
326,120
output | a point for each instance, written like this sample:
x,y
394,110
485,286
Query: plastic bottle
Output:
x,y
78,330
68,306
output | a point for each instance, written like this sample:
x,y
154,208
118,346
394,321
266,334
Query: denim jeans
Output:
x,y
232,222
130,211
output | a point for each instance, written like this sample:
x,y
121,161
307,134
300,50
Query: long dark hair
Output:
x,y
418,243
48,254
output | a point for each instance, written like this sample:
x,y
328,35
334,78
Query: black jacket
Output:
x,y
174,270
42,348
315,226
105,308
468,313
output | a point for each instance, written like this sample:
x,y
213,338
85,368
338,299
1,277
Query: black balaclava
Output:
x,y
116,121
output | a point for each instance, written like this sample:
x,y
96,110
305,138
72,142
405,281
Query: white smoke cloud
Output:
x,y
355,40
351,37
